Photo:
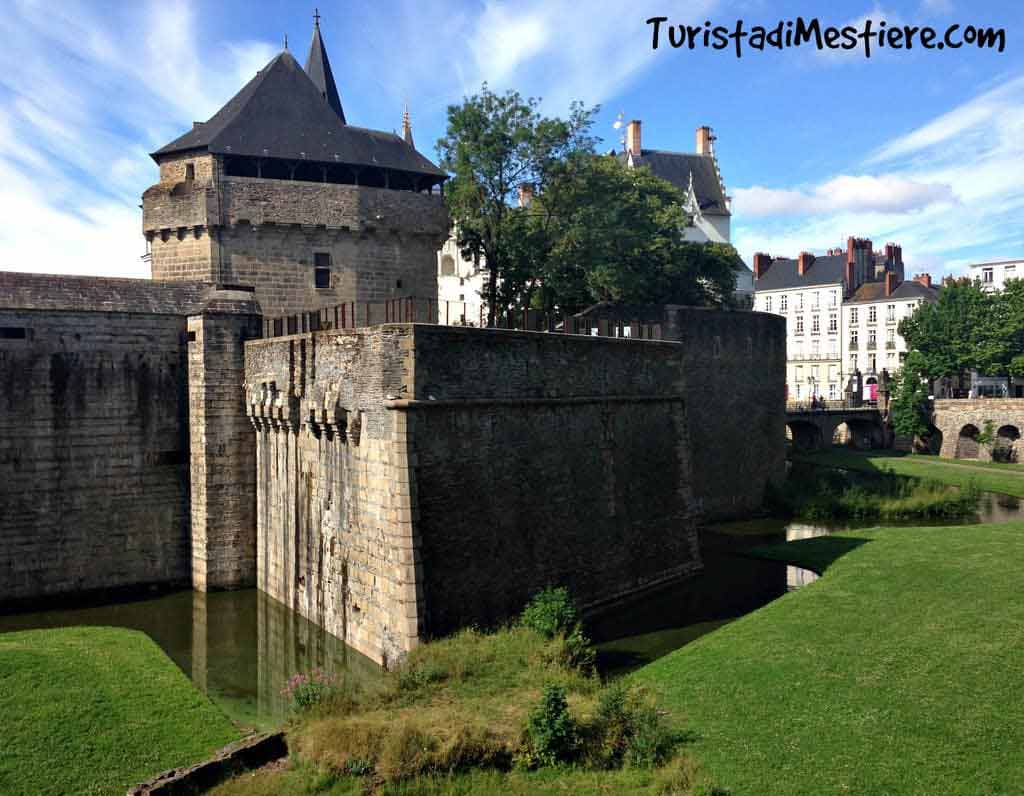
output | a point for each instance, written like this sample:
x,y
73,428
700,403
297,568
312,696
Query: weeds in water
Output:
x,y
826,495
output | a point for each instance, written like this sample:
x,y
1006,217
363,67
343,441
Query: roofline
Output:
x,y
996,262
798,287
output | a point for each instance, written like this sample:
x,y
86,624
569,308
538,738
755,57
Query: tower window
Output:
x,y
322,270
190,172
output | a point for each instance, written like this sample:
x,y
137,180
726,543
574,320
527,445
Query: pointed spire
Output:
x,y
318,67
407,127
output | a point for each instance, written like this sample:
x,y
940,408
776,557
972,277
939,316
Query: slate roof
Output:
x,y
318,67
676,168
908,289
826,270
281,113
60,292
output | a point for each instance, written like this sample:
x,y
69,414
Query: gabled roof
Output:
x,y
280,113
678,167
782,273
318,67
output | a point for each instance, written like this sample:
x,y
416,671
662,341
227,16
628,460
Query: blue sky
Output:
x,y
922,148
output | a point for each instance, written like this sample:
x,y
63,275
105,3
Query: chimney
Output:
x,y
851,286
633,137
890,253
762,262
525,194
891,282
704,139
804,263
923,279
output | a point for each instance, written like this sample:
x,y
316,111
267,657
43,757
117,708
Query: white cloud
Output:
x,y
973,153
79,114
940,8
843,193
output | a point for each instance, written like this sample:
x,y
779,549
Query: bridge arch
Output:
x,y
1005,447
805,435
967,446
858,432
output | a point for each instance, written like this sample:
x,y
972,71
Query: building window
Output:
x,y
832,298
799,324
815,348
322,270
815,324
800,302
817,300
986,276
872,314
872,340
853,315
799,371
890,338
833,322
833,392
1010,272
783,302
190,172
853,363
767,303
12,333
890,313
447,265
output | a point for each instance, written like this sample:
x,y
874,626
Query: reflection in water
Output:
x,y
732,584
239,647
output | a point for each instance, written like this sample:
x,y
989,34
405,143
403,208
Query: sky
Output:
x,y
922,148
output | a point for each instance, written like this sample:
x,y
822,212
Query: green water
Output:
x,y
238,647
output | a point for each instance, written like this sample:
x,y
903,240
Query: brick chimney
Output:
x,y
891,282
525,194
804,263
762,262
704,139
923,279
633,137
851,274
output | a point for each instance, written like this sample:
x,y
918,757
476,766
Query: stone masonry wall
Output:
x,y
413,479
264,233
223,448
93,450
951,416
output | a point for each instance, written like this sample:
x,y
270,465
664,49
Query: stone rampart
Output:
x,y
413,479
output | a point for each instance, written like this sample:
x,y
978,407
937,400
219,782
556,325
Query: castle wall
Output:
x,y
262,232
93,452
413,479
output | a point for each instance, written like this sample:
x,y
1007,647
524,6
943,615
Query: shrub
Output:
x,y
304,690
551,612
627,729
550,730
406,753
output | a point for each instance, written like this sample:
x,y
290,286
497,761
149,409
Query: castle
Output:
x,y
391,481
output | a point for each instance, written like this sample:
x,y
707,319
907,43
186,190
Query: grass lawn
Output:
x,y
1005,478
93,710
898,672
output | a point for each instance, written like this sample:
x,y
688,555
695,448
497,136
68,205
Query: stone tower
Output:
x,y
279,192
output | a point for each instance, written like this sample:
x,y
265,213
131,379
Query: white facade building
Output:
x,y
994,275
460,287
841,311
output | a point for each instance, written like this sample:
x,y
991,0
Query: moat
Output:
x,y
240,647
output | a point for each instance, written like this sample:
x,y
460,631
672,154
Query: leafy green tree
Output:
x,y
493,145
601,231
909,404
953,334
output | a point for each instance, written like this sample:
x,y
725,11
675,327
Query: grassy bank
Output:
x,y
93,710
477,713
894,673
821,494
1008,479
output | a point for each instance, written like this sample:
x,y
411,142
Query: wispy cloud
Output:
x,y
84,95
844,193
952,188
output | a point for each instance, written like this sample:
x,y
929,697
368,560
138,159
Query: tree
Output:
x,y
909,405
601,231
493,145
953,335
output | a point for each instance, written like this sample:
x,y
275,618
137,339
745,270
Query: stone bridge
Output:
x,y
960,426
813,429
